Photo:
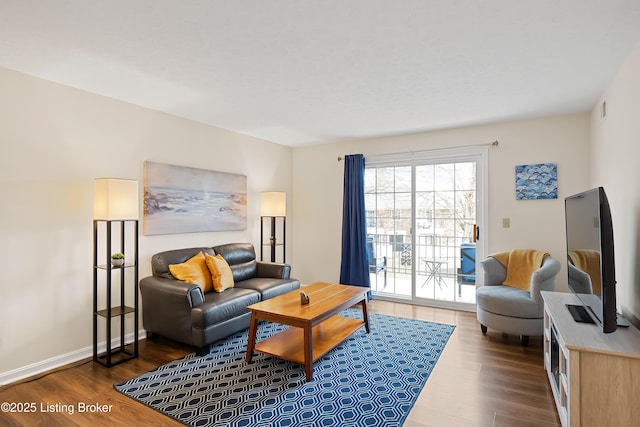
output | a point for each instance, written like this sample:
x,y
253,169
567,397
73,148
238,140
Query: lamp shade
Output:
x,y
273,203
115,199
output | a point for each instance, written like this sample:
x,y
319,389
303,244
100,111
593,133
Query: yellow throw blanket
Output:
x,y
588,260
520,264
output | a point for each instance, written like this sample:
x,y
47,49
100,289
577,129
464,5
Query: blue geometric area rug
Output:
x,y
369,380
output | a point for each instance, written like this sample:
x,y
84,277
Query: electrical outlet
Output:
x,y
506,223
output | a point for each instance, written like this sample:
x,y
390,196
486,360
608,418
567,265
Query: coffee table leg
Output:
x,y
308,352
251,342
365,314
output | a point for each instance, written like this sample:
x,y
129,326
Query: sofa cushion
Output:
x,y
221,275
222,306
507,301
241,257
160,262
269,288
194,270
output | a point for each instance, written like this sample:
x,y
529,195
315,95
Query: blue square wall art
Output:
x,y
539,181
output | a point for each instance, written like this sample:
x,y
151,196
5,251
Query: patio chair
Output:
x,y
376,264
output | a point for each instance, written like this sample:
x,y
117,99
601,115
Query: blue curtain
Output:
x,y
354,268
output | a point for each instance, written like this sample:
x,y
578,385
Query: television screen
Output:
x,y
590,258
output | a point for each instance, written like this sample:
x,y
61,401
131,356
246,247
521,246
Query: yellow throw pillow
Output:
x,y
194,270
220,272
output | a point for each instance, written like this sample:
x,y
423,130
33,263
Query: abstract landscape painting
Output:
x,y
180,199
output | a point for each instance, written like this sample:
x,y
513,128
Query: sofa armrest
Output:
x,y
167,305
273,270
160,291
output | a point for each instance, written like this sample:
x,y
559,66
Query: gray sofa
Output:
x,y
183,312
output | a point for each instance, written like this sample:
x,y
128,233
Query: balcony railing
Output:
x,y
400,257
441,262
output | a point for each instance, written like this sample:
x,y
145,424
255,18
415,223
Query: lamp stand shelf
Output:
x,y
117,350
275,239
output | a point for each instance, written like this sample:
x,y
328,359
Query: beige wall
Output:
x,y
615,144
534,223
54,141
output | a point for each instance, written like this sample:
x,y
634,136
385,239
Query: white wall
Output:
x,y
55,140
534,223
616,166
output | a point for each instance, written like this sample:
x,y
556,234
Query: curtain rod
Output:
x,y
488,144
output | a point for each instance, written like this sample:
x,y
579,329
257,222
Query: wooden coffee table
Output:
x,y
316,327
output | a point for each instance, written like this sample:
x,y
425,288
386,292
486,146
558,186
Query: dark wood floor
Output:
x,y
479,381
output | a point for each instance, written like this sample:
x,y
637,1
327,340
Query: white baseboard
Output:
x,y
61,360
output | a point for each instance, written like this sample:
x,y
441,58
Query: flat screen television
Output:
x,y
590,258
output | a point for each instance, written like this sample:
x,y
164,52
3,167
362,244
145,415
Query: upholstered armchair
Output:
x,y
516,310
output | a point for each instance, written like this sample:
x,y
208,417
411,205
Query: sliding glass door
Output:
x,y
422,217
388,202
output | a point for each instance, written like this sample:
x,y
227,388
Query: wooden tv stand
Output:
x,y
595,377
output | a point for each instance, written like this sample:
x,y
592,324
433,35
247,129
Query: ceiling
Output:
x,y
301,72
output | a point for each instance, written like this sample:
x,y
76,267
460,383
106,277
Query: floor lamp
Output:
x,y
115,203
273,205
